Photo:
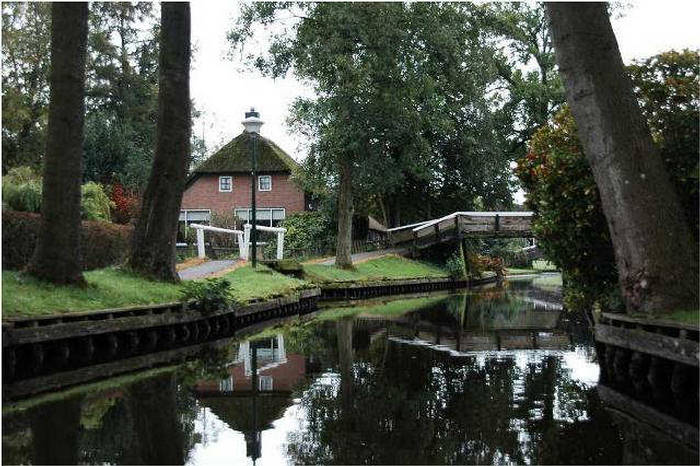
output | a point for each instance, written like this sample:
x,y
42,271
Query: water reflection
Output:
x,y
498,376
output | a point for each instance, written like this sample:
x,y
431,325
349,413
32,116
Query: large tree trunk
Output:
x,y
652,241
153,251
343,247
57,255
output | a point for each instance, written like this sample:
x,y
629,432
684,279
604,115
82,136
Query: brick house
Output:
x,y
221,184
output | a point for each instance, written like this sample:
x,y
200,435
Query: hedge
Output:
x,y
103,243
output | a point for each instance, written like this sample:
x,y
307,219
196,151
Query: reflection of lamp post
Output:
x,y
252,124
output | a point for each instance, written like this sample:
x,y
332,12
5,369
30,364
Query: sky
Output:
x,y
223,89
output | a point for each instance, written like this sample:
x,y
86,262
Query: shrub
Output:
x,y
95,204
569,219
126,204
102,244
22,190
308,233
211,293
455,265
22,196
19,175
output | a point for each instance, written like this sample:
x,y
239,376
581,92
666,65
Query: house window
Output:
x,y
265,183
187,216
270,217
265,383
226,385
225,184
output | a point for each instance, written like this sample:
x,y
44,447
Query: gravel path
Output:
x,y
363,256
205,269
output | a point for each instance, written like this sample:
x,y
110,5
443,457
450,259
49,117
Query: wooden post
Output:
x,y
280,245
200,243
437,232
497,226
458,234
415,244
246,240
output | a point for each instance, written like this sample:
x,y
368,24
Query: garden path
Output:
x,y
206,269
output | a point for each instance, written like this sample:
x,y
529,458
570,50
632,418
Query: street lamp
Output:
x,y
252,124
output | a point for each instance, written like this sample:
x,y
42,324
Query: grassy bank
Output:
x,y
248,283
106,288
23,296
114,288
538,266
389,267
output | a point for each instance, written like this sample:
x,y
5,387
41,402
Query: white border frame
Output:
x,y
230,184
260,177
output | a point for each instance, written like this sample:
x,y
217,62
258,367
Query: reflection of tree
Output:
x,y
410,404
55,428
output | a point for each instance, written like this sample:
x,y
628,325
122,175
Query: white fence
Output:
x,y
242,236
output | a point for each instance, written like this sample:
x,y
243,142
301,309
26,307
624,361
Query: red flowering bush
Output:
x,y
126,204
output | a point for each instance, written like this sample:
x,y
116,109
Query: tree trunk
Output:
x,y
57,255
343,247
153,251
652,241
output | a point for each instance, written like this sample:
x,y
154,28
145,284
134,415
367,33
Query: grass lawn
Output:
x,y
249,284
383,268
537,267
691,316
107,288
517,271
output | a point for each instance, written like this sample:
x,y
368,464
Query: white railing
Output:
x,y
243,237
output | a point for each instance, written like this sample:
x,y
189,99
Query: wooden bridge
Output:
x,y
460,225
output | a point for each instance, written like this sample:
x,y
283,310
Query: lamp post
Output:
x,y
252,124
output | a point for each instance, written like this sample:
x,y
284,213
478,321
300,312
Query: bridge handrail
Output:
x,y
430,223
403,227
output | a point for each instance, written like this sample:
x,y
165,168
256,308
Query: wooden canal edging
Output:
x,y
652,361
57,351
38,347
344,291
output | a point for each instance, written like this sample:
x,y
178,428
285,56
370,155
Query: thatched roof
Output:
x,y
234,157
237,411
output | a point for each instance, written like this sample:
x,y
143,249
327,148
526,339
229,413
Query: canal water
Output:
x,y
493,376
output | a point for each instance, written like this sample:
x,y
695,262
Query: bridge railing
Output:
x,y
420,234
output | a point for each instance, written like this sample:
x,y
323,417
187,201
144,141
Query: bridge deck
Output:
x,y
462,224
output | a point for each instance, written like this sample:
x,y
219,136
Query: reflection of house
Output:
x,y
257,390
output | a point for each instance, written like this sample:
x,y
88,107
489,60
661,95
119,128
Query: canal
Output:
x,y
496,375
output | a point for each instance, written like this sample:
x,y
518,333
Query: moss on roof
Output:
x,y
235,157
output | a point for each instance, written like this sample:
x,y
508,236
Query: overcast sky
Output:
x,y
223,90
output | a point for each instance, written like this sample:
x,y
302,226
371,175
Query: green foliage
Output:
x,y
102,244
21,189
392,82
95,203
569,222
26,33
308,232
455,265
668,88
211,293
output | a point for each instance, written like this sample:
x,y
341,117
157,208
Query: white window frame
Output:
x,y
265,383
230,184
271,209
260,177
